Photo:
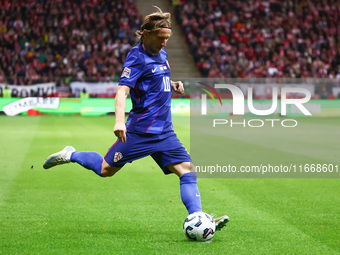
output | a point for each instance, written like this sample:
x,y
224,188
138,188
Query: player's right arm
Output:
x,y
132,70
120,106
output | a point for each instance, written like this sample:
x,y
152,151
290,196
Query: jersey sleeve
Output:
x,y
132,69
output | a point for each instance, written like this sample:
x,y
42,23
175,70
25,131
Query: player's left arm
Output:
x,y
178,87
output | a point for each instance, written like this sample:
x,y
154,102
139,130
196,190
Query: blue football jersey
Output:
x,y
148,76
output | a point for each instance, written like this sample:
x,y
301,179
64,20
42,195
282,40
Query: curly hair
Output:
x,y
155,21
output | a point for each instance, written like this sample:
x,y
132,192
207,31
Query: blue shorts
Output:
x,y
165,149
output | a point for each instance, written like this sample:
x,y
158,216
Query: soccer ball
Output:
x,y
199,226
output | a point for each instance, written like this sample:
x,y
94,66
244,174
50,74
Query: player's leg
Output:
x,y
189,190
117,156
175,159
190,194
89,159
94,161
172,157
107,170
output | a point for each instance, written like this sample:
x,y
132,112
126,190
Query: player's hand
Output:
x,y
178,87
120,131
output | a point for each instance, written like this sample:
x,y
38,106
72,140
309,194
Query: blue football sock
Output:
x,y
89,159
189,192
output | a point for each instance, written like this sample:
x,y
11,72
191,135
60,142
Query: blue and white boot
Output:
x,y
59,158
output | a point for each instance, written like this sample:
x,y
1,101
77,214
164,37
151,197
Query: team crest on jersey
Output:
x,y
126,72
118,156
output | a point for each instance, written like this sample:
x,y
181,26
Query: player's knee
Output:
x,y
181,168
107,170
105,173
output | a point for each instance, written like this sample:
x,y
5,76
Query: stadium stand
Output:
x,y
64,40
41,41
262,38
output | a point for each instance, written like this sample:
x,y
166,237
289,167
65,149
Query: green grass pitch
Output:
x,y
69,210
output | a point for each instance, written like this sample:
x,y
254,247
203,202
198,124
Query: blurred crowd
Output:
x,y
263,38
41,40
61,40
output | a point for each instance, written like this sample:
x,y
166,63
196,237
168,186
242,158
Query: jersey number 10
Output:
x,y
166,82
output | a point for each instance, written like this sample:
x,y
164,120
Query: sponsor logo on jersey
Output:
x,y
118,156
161,67
126,72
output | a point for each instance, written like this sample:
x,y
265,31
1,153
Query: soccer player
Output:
x,y
148,129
